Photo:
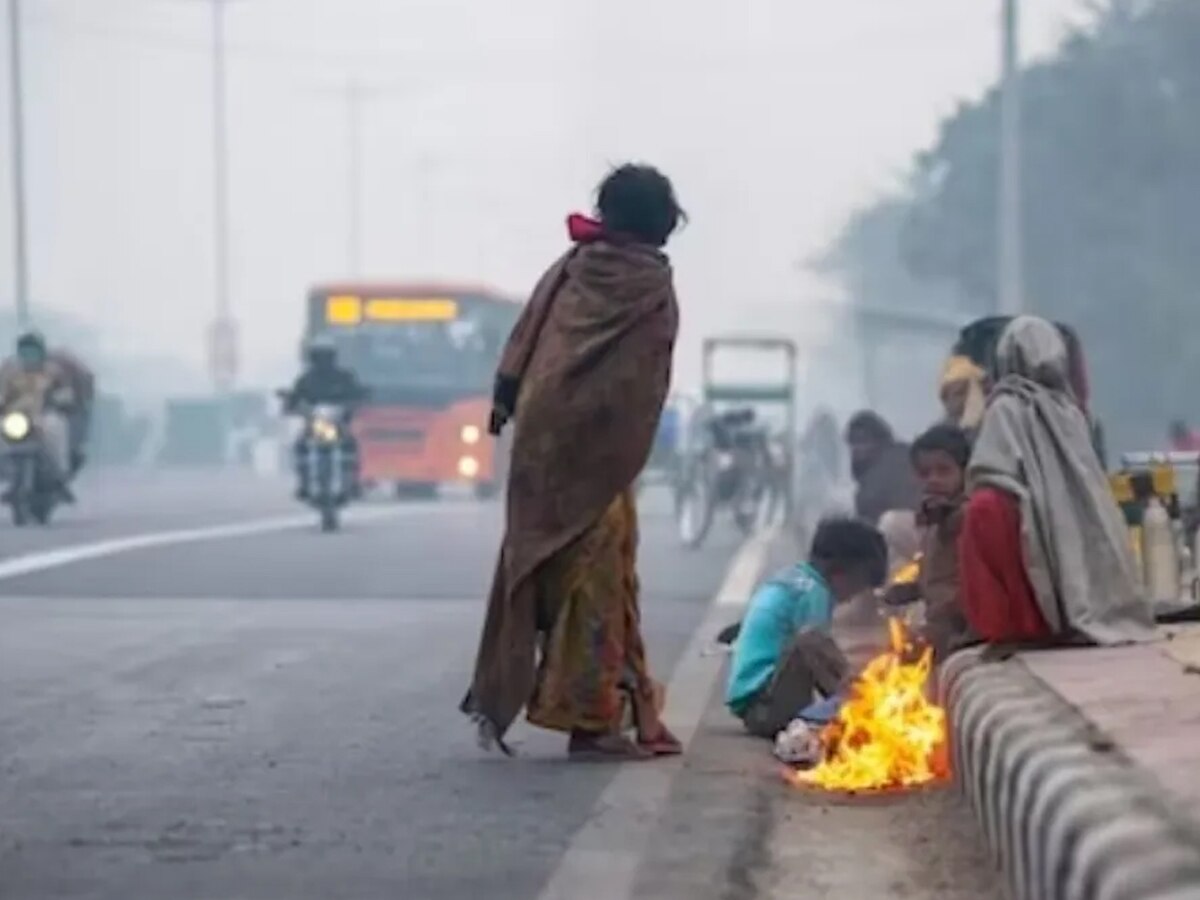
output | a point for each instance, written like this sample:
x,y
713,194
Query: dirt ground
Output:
x,y
735,830
922,844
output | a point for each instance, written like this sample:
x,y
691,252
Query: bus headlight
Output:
x,y
468,467
470,434
16,426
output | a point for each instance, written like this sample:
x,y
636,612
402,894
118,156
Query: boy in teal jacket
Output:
x,y
783,650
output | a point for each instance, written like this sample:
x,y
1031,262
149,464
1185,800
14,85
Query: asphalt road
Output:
x,y
201,696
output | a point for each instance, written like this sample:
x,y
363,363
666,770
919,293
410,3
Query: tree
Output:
x,y
1111,206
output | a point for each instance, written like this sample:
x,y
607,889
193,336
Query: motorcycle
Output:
x,y
33,490
325,460
736,466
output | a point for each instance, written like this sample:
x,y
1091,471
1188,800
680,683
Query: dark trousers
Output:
x,y
350,470
812,662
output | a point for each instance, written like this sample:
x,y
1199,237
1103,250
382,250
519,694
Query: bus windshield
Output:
x,y
445,355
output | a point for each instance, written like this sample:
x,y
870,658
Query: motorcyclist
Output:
x,y
40,387
324,382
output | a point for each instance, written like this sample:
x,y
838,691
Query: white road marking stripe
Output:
x,y
75,553
602,859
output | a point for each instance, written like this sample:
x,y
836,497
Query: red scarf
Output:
x,y
583,229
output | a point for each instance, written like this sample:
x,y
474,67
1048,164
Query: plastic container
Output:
x,y
1159,555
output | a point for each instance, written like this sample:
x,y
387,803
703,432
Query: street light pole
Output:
x,y
356,95
1010,280
17,109
224,333
354,200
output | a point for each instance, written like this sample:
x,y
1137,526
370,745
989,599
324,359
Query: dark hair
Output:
x,y
948,439
978,341
870,425
639,202
844,543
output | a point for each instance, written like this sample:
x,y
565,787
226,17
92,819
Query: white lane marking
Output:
x,y
75,553
602,859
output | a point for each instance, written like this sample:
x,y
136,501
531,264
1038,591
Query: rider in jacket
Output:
x,y
40,387
323,381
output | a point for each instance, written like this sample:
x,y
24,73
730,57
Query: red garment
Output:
x,y
584,230
996,594
1189,443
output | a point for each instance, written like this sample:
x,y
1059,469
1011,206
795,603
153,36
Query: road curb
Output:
x,y
1065,813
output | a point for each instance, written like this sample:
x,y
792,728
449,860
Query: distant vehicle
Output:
x,y
734,461
732,467
427,356
325,460
32,491
670,445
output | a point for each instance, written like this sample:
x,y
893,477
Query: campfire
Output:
x,y
887,734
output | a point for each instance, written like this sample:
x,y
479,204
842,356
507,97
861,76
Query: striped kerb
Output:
x,y
1065,815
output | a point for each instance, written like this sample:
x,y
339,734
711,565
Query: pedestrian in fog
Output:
x,y
881,468
888,493
1183,439
584,377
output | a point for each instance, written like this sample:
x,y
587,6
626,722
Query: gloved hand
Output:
x,y
497,420
504,401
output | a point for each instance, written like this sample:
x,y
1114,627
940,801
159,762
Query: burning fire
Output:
x,y
887,734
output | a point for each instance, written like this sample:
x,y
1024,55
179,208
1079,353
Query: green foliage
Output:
x,y
1111,195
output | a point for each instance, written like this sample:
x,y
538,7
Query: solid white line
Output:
x,y
75,553
602,859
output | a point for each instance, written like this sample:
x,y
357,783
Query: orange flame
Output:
x,y
887,734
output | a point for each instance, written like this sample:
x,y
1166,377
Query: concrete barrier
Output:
x,y
1065,813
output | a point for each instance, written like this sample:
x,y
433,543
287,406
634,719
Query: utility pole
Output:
x,y
427,217
354,199
355,96
223,336
17,108
1009,276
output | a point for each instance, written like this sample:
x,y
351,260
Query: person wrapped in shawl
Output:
x,y
1044,553
583,377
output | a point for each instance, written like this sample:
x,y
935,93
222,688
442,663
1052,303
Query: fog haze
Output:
x,y
484,124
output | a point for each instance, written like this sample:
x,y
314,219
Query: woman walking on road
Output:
x,y
583,377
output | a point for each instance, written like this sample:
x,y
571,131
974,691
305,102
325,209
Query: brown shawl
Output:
x,y
592,356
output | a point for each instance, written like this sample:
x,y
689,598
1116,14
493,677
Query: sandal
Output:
x,y
662,744
605,748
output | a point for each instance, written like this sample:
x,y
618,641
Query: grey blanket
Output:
x,y
1035,444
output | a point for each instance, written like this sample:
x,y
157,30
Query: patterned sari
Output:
x,y
584,376
592,659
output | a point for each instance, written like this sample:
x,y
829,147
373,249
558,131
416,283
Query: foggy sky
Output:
x,y
488,122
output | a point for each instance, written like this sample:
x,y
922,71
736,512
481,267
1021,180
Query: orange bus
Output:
x,y
427,354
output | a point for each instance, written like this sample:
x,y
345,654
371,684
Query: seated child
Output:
x,y
783,650
940,457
